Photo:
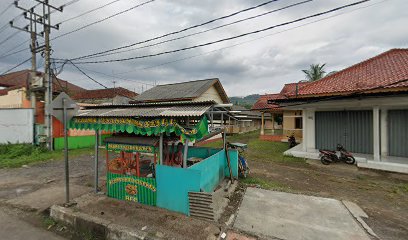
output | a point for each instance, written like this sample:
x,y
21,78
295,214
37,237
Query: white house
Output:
x,y
363,107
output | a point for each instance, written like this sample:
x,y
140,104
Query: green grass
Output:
x,y
259,150
265,184
17,155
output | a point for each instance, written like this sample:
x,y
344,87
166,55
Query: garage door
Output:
x,y
398,133
352,129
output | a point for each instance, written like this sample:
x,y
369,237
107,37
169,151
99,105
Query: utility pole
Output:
x,y
43,19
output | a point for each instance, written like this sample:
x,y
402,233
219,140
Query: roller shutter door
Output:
x,y
352,129
398,133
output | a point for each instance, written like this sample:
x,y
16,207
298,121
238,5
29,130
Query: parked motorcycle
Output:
x,y
341,155
292,140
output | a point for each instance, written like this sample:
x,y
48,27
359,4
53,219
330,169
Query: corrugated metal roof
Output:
x,y
152,111
181,91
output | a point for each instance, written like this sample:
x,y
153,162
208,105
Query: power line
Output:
x,y
252,40
104,19
180,31
227,39
22,43
5,10
89,11
9,37
84,73
204,31
18,65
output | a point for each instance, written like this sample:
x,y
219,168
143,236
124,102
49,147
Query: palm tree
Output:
x,y
315,72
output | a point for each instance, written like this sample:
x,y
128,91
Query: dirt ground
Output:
x,y
383,196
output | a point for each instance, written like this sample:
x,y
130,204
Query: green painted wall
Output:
x,y
118,186
76,142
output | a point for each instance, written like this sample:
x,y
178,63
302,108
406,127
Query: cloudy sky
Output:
x,y
259,63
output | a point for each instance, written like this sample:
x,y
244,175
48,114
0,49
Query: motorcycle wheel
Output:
x,y
350,160
325,160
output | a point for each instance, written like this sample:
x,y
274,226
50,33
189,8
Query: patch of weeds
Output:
x,y
49,222
87,235
17,155
400,189
265,184
361,177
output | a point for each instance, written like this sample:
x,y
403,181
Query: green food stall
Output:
x,y
152,147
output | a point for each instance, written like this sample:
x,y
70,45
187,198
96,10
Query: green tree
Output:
x,y
315,72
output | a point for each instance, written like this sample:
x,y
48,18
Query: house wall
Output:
x,y
210,94
380,107
14,99
288,124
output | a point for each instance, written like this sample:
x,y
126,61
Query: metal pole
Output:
x,y
96,160
64,117
185,154
161,149
224,139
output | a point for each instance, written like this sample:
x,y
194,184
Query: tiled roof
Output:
x,y
375,74
262,102
104,93
21,78
182,91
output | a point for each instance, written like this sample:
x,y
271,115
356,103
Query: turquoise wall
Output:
x,y
173,185
215,168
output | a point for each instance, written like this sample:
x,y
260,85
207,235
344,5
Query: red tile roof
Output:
x,y
262,102
378,74
20,79
105,93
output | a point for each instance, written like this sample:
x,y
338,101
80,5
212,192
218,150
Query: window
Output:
x,y
298,123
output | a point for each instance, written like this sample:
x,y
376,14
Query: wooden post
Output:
x,y
273,123
262,124
138,164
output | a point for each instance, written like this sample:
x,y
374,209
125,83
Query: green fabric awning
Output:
x,y
141,127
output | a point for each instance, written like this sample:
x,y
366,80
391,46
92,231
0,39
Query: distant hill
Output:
x,y
246,101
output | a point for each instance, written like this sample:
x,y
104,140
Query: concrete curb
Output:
x,y
98,226
358,214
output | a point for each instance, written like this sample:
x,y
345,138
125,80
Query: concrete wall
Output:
x,y
14,99
16,125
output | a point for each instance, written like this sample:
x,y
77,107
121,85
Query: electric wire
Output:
x,y
6,9
204,31
9,37
102,20
16,66
179,31
251,40
89,11
226,39
84,73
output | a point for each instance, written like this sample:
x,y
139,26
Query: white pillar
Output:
x,y
304,130
376,133
310,129
384,132
262,124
